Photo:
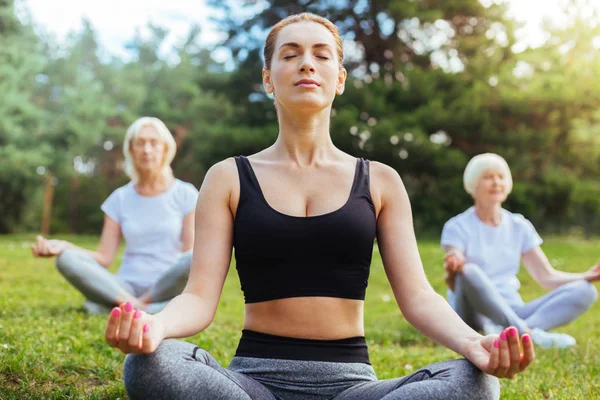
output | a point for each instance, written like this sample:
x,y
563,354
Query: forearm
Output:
x,y
432,315
94,254
558,278
185,315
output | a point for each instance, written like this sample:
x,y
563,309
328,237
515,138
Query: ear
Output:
x,y
267,84
341,81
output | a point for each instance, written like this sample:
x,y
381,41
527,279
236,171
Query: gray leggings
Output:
x,y
476,298
100,286
181,370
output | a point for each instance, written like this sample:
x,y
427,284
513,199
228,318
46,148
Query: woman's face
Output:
x,y
492,187
148,150
305,73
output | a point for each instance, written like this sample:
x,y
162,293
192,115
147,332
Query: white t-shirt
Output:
x,y
152,228
496,250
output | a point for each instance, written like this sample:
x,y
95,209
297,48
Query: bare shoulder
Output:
x,y
222,173
384,174
386,185
222,177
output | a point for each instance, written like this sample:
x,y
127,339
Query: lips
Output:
x,y
307,82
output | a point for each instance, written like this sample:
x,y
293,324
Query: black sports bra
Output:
x,y
281,256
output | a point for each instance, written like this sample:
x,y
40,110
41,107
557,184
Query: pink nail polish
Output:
x,y
496,343
526,338
128,307
116,312
138,313
146,328
503,335
512,331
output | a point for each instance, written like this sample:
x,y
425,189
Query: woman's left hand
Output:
x,y
500,355
593,274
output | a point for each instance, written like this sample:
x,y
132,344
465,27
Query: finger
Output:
x,y
43,244
34,250
111,331
135,335
528,352
447,267
125,325
504,356
514,351
147,343
494,361
39,244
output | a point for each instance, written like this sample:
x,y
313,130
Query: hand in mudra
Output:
x,y
132,330
47,248
593,274
501,355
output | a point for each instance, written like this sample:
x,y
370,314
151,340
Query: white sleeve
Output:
x,y
189,197
112,206
531,239
454,235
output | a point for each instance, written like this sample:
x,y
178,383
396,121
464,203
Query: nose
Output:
x,y
307,64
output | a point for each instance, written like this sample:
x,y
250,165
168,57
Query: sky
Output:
x,y
116,21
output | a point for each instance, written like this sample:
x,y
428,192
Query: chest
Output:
x,y
495,248
306,192
148,221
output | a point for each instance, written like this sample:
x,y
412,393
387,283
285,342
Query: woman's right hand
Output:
x,y
454,260
133,331
47,248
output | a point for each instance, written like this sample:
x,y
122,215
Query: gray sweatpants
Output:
x,y
181,370
476,298
100,286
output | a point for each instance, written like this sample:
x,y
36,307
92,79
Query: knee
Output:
x,y
155,375
66,261
470,270
473,274
585,293
476,383
144,374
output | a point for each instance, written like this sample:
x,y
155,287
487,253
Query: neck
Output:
x,y
489,213
304,138
152,180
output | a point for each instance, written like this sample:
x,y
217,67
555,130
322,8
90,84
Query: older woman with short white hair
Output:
x,y
154,213
484,248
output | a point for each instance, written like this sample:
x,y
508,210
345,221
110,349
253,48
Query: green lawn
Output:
x,y
50,349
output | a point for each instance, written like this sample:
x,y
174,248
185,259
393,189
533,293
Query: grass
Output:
x,y
50,349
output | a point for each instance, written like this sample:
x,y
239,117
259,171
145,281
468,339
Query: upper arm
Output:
x,y
454,236
187,232
110,239
396,236
537,264
213,241
189,200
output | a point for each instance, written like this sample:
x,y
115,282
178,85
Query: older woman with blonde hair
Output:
x,y
154,213
484,249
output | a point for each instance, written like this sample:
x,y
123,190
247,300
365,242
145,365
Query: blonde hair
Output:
x,y
481,163
269,49
163,133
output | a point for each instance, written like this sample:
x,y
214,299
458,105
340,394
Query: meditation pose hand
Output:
x,y
500,355
133,331
47,248
593,274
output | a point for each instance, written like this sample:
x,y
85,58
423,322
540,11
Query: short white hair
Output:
x,y
163,133
481,163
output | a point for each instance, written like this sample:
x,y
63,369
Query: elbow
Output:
x,y
418,304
